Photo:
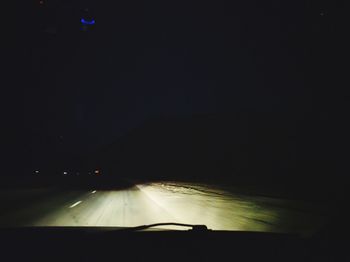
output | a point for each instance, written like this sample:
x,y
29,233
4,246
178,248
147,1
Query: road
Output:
x,y
165,202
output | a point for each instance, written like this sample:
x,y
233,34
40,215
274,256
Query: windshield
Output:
x,y
123,114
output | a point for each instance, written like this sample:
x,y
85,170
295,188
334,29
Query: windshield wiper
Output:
x,y
197,228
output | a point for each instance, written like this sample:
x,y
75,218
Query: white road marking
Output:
x,y
93,192
75,204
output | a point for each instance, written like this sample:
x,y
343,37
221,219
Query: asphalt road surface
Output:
x,y
161,202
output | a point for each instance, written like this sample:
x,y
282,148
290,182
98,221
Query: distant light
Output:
x,y
41,2
87,22
65,173
97,172
36,171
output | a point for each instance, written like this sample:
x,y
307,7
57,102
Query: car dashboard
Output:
x,y
103,244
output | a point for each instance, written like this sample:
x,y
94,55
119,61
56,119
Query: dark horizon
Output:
x,y
72,92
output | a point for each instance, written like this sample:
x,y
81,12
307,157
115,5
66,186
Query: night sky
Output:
x,y
70,91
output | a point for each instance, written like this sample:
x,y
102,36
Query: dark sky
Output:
x,y
70,91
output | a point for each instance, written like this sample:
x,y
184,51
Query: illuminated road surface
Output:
x,y
167,202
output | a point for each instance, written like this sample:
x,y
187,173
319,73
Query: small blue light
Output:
x,y
86,22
